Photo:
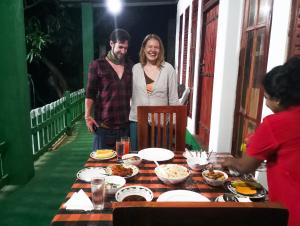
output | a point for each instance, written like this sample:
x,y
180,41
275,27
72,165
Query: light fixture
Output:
x,y
114,6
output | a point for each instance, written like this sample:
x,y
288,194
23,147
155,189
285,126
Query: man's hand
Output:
x,y
90,123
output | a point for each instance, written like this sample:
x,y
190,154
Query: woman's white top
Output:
x,y
164,89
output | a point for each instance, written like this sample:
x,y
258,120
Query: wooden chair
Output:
x,y
156,130
199,214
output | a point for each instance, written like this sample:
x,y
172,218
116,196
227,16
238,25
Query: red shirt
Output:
x,y
277,140
111,94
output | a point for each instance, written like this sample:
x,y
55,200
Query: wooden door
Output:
x,y
294,34
206,72
253,63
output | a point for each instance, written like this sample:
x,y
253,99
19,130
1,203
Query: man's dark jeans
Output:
x,y
106,138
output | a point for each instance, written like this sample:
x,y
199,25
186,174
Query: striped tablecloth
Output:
x,y
146,177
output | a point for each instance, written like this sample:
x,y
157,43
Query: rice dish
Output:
x,y
173,171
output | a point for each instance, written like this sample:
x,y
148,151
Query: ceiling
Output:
x,y
101,3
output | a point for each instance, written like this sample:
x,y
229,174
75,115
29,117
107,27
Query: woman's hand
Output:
x,y
149,88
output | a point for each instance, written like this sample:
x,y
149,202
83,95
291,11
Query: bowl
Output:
x,y
134,193
172,173
132,159
113,184
215,178
197,163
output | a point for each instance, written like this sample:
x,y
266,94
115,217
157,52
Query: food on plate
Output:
x,y
252,184
245,190
246,187
134,198
215,175
104,153
120,170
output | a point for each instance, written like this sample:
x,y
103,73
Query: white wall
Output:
x,y
227,62
278,46
226,72
181,7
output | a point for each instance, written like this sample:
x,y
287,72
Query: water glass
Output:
x,y
126,142
98,192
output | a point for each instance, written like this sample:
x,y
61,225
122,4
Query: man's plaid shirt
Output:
x,y
111,95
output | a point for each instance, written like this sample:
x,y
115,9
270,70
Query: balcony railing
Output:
x,y
50,122
3,170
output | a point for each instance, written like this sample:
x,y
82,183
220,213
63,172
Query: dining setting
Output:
x,y
155,176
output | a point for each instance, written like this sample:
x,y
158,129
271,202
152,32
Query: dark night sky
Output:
x,y
138,21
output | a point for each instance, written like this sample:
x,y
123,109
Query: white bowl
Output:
x,y
113,184
134,190
215,182
132,159
172,173
197,163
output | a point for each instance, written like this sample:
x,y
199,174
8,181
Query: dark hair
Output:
x,y
161,56
120,35
283,83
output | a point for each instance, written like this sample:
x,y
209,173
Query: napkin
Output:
x,y
79,201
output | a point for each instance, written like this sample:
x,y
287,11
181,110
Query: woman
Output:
x,y
277,139
154,81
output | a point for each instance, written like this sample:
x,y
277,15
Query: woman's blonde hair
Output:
x,y
161,55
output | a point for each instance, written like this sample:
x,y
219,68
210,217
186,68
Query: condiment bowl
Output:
x,y
215,177
113,184
197,163
132,159
134,193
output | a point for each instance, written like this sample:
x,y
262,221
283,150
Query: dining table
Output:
x,y
146,177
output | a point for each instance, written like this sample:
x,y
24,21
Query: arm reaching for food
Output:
x,y
245,164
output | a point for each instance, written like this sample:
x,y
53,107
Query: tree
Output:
x,y
50,35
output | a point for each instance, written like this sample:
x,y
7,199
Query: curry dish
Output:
x,y
120,170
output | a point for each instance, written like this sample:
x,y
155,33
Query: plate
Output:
x,y
181,196
135,170
156,154
261,193
134,190
93,156
87,174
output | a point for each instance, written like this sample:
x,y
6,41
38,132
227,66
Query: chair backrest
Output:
x,y
156,130
199,214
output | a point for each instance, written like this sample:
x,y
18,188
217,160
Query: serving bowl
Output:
x,y
214,177
134,193
197,163
172,173
132,159
113,184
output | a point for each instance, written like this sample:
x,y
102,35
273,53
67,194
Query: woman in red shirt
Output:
x,y
277,139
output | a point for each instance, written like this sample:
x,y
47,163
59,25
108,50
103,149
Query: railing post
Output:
x,y
68,113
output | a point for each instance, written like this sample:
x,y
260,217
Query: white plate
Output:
x,y
156,154
134,190
135,170
181,196
87,174
93,156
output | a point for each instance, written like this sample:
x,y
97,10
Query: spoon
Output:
x,y
160,168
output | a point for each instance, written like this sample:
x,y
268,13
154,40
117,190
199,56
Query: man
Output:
x,y
108,93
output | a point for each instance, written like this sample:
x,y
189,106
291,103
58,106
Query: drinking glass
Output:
x,y
120,151
98,192
126,142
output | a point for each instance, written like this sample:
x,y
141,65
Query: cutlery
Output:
x,y
229,197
